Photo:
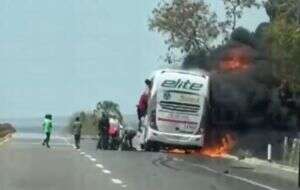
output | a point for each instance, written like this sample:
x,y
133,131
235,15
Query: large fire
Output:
x,y
234,64
218,150
221,149
236,59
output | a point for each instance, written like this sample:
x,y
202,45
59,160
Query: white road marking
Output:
x,y
206,168
106,171
237,178
99,166
88,156
93,159
35,143
177,159
116,181
251,182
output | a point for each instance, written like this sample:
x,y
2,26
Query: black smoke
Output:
x,y
244,87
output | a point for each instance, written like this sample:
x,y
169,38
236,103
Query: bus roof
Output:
x,y
197,72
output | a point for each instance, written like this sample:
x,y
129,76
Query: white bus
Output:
x,y
177,110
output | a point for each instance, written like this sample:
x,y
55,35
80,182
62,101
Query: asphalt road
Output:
x,y
26,165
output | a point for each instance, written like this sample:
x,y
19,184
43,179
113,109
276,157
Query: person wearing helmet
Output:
x,y
77,132
47,127
143,103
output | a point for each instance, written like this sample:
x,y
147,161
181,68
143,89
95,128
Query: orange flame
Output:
x,y
234,64
221,150
176,151
216,151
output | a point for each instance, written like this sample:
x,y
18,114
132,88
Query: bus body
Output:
x,y
177,108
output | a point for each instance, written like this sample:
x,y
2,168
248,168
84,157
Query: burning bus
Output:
x,y
178,110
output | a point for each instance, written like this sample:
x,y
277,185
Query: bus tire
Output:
x,y
148,146
152,147
155,147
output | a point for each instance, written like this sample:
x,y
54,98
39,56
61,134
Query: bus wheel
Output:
x,y
148,146
155,147
152,147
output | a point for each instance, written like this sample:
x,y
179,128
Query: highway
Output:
x,y
26,165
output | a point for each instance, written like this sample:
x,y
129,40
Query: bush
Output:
x,y
6,129
89,123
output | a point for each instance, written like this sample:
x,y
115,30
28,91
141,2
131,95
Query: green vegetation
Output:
x,y
193,29
6,129
110,108
283,36
90,119
234,10
189,25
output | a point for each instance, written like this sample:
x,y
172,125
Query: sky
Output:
x,y
61,57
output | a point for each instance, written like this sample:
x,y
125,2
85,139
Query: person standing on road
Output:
x,y
77,132
143,103
103,127
47,127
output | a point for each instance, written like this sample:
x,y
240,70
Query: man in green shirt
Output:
x,y
47,127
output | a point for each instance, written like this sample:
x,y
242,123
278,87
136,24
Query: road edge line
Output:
x,y
245,180
259,162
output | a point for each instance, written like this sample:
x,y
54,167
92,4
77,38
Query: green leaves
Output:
x,y
284,35
234,11
110,108
189,25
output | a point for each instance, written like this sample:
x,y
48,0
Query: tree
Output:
x,y
109,107
189,25
284,37
289,8
234,11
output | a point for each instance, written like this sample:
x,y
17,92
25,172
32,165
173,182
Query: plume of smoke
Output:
x,y
243,85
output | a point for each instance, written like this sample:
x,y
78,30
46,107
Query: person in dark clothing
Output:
x,y
77,132
103,127
143,103
129,135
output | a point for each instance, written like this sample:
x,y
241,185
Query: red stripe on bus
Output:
x,y
177,121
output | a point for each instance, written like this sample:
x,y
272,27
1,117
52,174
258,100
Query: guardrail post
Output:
x,y
285,150
299,166
269,152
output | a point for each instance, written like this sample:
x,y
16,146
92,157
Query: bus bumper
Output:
x,y
175,140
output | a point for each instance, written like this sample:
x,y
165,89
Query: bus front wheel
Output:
x,y
152,147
